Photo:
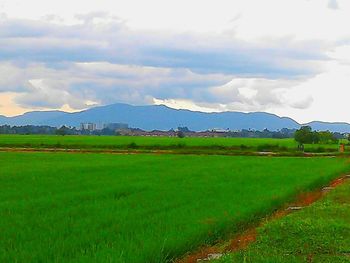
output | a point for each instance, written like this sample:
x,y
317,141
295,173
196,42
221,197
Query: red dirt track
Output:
x,y
249,236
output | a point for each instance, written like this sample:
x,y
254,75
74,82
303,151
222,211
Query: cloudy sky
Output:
x,y
289,57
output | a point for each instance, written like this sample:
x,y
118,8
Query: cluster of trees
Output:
x,y
27,129
64,130
281,134
305,135
73,131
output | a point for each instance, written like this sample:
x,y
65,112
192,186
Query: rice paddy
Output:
x,y
160,143
64,207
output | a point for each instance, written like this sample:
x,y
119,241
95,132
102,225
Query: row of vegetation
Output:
x,y
173,144
327,137
182,132
304,140
133,208
49,130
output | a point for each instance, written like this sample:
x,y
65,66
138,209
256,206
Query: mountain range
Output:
x,y
160,117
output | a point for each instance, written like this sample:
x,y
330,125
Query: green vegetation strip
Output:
x,y
58,207
160,143
319,233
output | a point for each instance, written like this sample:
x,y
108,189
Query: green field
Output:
x,y
64,207
319,233
162,143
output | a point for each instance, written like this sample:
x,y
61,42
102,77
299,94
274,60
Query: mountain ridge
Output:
x,y
161,117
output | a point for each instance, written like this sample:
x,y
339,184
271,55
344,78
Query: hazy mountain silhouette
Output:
x,y
331,126
164,118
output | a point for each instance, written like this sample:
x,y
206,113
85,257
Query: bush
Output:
x,y
132,145
243,147
180,134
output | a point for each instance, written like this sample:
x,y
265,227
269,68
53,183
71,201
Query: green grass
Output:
x,y
319,233
120,141
59,207
151,143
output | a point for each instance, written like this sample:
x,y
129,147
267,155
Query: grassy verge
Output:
x,y
319,233
140,208
235,145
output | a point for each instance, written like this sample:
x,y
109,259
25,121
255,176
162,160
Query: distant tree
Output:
x,y
305,135
183,129
315,137
62,131
327,137
180,134
107,131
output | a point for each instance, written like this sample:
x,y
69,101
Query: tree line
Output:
x,y
305,135
48,130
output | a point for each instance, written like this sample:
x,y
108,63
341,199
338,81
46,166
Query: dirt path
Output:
x,y
249,236
72,150
155,151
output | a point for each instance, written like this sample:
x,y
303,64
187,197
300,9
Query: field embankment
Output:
x,y
58,207
172,144
318,233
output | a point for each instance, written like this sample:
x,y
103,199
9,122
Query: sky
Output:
x,y
289,57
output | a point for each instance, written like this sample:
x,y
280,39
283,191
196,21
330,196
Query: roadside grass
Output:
x,y
319,233
161,143
59,207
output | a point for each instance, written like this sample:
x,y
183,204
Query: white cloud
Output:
x,y
286,57
187,104
77,84
322,97
341,54
45,93
255,94
333,4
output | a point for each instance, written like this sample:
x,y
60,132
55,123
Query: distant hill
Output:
x,y
164,118
342,127
33,117
2,119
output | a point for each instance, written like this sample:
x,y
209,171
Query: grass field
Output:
x,y
151,143
60,207
319,233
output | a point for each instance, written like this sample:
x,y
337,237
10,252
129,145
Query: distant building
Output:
x,y
220,130
171,133
88,126
116,126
